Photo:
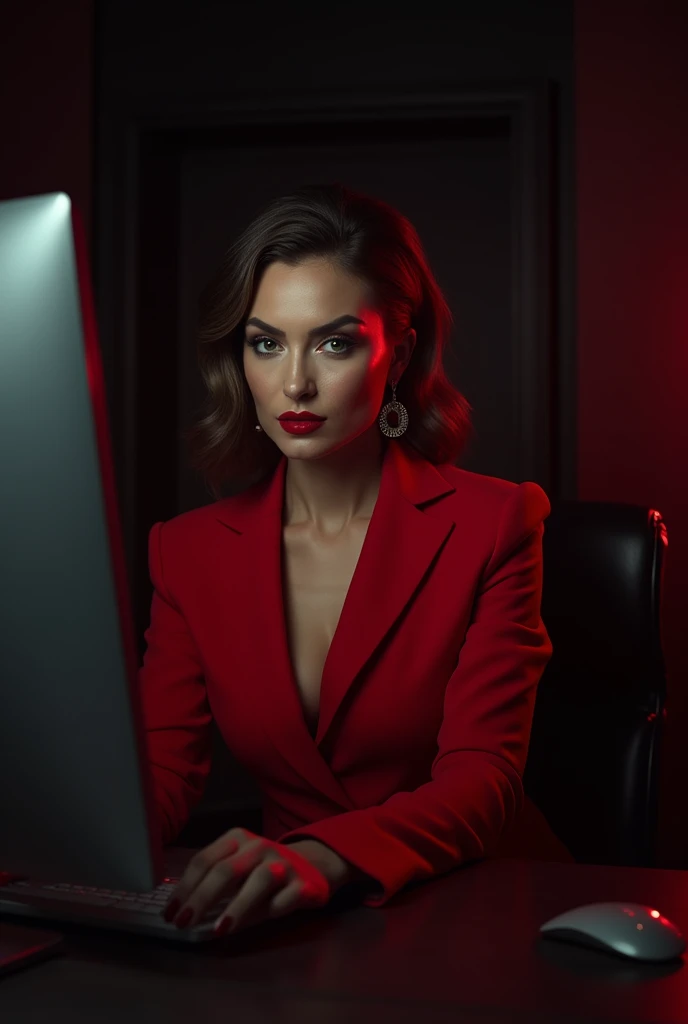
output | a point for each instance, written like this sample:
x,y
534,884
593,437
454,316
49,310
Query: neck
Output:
x,y
329,493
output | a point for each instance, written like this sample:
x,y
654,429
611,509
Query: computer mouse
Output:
x,y
629,929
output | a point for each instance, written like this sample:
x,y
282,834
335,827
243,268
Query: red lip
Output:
x,y
293,426
300,416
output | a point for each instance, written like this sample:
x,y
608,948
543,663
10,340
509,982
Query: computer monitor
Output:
x,y
76,796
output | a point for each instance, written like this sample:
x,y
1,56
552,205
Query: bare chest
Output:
x,y
316,578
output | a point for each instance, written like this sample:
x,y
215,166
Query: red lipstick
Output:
x,y
294,426
300,422
305,415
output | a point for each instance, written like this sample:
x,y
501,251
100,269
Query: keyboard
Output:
x,y
104,908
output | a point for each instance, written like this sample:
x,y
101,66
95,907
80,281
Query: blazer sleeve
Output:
x,y
174,703
476,790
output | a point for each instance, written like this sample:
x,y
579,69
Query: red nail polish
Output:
x,y
223,927
184,918
171,909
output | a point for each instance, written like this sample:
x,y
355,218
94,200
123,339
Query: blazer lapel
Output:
x,y
251,579
401,545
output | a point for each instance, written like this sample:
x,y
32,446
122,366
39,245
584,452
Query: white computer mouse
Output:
x,y
629,929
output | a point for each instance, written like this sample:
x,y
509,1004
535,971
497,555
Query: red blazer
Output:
x,y
427,691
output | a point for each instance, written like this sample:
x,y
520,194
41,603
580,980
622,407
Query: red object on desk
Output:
x,y
21,946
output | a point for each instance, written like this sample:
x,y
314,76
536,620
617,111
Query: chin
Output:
x,y
317,447
305,447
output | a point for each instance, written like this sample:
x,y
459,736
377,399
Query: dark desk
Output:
x,y
461,948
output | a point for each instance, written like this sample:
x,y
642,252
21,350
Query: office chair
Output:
x,y
593,762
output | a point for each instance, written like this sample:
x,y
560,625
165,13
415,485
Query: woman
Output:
x,y
363,619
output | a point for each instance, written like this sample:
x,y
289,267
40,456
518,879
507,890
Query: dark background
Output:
x,y
540,149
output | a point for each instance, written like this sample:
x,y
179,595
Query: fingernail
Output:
x,y
171,909
223,927
184,918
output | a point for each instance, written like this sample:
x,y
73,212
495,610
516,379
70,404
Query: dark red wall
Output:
x,y
632,238
46,100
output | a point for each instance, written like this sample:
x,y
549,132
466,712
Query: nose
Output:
x,y
298,382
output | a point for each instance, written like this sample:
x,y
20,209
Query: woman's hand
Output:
x,y
262,878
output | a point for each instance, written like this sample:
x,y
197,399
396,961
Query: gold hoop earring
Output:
x,y
400,410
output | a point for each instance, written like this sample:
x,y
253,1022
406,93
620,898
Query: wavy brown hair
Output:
x,y
367,238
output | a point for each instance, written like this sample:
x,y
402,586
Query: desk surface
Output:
x,y
462,947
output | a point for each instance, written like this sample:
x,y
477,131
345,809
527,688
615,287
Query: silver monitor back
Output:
x,y
75,798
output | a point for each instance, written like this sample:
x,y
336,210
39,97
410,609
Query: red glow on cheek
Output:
x,y
375,332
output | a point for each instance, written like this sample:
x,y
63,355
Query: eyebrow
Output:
x,y
324,329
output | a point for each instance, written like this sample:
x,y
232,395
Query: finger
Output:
x,y
318,888
199,866
298,895
221,882
251,903
239,835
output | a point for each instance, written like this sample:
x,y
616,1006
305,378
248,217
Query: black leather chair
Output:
x,y
593,763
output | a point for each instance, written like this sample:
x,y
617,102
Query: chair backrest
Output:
x,y
593,762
